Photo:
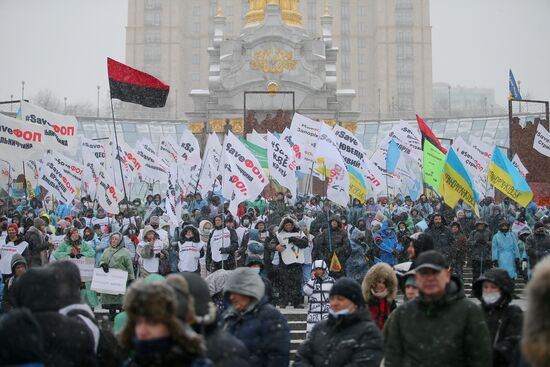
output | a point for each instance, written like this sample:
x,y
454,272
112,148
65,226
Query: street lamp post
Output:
x,y
98,87
22,90
449,100
11,103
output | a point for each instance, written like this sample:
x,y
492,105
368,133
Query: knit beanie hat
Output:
x,y
350,289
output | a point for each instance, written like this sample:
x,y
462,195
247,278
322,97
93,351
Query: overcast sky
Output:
x,y
62,45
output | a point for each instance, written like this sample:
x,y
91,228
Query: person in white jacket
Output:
x,y
317,289
149,251
190,250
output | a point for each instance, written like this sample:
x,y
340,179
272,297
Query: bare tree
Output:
x,y
45,98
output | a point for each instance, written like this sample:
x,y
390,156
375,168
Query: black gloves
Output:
x,y
71,255
292,239
129,282
78,256
225,250
105,267
157,255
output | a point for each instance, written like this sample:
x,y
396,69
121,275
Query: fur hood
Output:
x,y
536,334
380,271
194,230
289,218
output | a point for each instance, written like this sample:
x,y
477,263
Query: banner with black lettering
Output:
x,y
93,157
189,149
306,131
108,196
19,140
211,164
7,174
60,131
541,143
281,163
153,167
57,180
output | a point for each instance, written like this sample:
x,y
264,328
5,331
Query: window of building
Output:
x,y
195,59
345,44
196,11
344,12
196,27
152,36
152,52
346,78
362,43
362,75
362,11
152,4
152,18
345,60
345,27
362,27
362,59
195,77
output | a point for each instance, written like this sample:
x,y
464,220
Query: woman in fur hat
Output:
x,y
154,335
380,290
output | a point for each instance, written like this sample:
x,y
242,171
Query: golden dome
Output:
x,y
290,12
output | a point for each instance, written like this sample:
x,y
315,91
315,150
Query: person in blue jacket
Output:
x,y
505,251
389,246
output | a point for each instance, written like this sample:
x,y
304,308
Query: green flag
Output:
x,y
258,152
434,162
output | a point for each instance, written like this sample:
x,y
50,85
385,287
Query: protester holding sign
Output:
x,y
149,251
14,244
115,257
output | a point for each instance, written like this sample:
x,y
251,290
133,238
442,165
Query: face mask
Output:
x,y
257,270
338,314
246,222
490,298
132,231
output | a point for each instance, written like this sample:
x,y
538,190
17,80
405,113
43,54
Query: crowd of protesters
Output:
x,y
208,290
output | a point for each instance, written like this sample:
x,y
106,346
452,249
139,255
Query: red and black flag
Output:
x,y
428,134
134,86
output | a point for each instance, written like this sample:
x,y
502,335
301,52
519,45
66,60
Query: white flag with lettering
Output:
x,y
153,168
281,163
541,143
20,140
519,165
108,196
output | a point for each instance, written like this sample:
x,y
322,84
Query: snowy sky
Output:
x,y
62,45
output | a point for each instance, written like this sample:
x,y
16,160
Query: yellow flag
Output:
x,y
335,265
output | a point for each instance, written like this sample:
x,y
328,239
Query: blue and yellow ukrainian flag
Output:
x,y
507,179
456,183
513,87
357,185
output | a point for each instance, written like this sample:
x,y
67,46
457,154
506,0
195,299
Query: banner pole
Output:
x,y
118,153
25,182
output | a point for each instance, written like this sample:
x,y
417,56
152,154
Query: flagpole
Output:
x,y
118,153
25,182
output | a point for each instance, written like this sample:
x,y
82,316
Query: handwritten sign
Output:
x,y
113,282
86,267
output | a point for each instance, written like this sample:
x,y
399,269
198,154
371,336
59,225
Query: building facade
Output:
x,y
384,47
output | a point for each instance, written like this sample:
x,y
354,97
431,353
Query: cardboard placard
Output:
x,y
113,282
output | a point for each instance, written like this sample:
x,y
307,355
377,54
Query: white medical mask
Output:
x,y
490,298
257,270
341,313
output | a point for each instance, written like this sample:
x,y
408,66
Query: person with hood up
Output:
x,y
222,348
190,250
255,322
356,212
93,241
479,243
505,252
440,327
388,247
317,289
116,256
205,227
154,336
522,247
37,251
538,244
415,216
358,264
18,268
74,247
290,243
221,247
333,247
348,337
13,244
150,251
441,236
535,343
495,290
461,250
379,291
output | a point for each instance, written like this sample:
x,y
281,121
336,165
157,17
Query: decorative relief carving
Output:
x,y
273,62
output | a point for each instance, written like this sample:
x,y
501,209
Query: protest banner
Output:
x,y
86,266
113,282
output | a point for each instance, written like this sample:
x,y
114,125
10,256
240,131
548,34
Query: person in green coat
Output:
x,y
116,256
73,246
440,327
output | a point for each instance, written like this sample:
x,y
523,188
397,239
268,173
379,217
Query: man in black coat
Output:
x,y
332,240
442,237
480,246
349,336
538,244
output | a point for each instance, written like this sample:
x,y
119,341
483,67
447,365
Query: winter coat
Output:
x,y
329,242
461,248
35,254
277,210
230,244
264,331
357,265
117,258
386,241
319,224
165,355
98,246
479,243
355,213
351,340
7,295
506,252
448,332
317,290
67,340
503,319
443,240
64,250
380,308
299,240
538,246
536,334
